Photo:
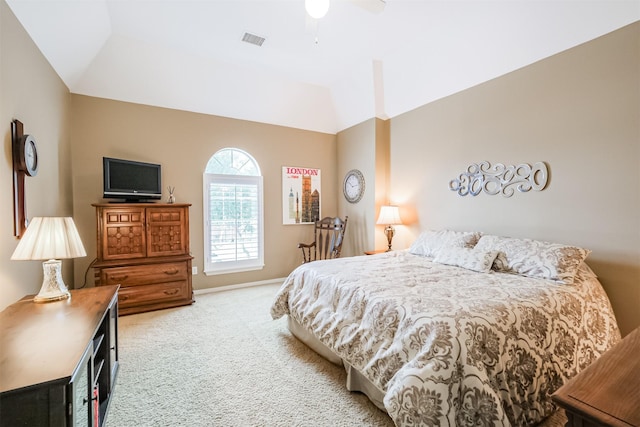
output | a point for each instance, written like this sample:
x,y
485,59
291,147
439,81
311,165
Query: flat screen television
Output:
x,y
131,181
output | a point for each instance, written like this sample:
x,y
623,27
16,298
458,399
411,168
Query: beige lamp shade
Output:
x,y
48,238
389,215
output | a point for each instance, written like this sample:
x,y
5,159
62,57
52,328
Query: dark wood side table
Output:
x,y
607,393
59,360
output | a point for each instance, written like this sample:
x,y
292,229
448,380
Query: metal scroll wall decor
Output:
x,y
499,178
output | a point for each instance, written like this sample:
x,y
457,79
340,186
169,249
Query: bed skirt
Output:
x,y
355,380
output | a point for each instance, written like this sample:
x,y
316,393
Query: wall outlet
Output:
x,y
194,270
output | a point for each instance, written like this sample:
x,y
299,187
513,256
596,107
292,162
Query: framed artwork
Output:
x,y
300,195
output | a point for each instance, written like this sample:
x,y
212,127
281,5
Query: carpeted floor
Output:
x,y
224,362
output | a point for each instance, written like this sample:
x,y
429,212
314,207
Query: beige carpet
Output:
x,y
224,362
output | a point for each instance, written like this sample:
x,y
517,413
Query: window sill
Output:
x,y
233,270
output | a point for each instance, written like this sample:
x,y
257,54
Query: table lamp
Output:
x,y
389,215
50,238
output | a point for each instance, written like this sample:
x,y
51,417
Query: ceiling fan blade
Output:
x,y
374,6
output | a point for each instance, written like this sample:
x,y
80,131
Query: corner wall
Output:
x,y
365,147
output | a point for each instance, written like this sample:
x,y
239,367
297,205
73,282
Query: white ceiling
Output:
x,y
188,54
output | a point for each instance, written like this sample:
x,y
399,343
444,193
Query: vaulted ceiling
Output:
x,y
365,58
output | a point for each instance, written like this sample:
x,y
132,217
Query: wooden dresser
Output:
x,y
607,393
144,248
59,360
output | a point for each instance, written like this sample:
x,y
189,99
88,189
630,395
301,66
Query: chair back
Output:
x,y
328,238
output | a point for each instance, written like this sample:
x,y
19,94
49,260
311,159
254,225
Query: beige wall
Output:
x,y
364,147
30,91
356,150
383,177
579,111
182,143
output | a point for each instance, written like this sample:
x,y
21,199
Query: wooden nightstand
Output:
x,y
607,393
379,251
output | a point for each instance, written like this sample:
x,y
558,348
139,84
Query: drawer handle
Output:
x,y
171,292
85,400
120,278
171,272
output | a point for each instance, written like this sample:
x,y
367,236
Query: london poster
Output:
x,y
300,195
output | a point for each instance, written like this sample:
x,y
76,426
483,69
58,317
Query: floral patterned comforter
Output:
x,y
448,346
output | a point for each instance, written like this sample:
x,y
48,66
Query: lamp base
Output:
x,y
389,231
53,287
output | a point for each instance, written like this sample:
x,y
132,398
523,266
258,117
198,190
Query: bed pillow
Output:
x,y
430,242
533,258
469,258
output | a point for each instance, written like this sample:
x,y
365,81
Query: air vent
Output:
x,y
253,39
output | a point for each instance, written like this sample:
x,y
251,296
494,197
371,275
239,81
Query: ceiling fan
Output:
x,y
375,6
317,9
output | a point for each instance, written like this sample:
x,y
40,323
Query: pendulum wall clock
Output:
x,y
25,163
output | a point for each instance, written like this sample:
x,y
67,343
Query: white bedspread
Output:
x,y
448,346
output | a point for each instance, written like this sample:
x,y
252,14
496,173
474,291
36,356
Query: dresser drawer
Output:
x,y
139,275
152,294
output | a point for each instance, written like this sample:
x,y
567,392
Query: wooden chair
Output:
x,y
327,243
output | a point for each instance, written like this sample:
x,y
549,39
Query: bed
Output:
x,y
460,329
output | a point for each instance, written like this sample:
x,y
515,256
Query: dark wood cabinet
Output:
x,y
607,393
144,248
59,360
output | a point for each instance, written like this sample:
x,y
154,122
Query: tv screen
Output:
x,y
131,180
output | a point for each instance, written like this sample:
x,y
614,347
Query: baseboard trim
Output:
x,y
276,281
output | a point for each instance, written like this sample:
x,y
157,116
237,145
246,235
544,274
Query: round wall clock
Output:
x,y
353,186
27,155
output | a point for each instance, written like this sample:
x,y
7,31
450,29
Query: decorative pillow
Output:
x,y
533,258
429,242
586,271
471,259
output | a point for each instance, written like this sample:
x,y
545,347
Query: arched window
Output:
x,y
233,213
